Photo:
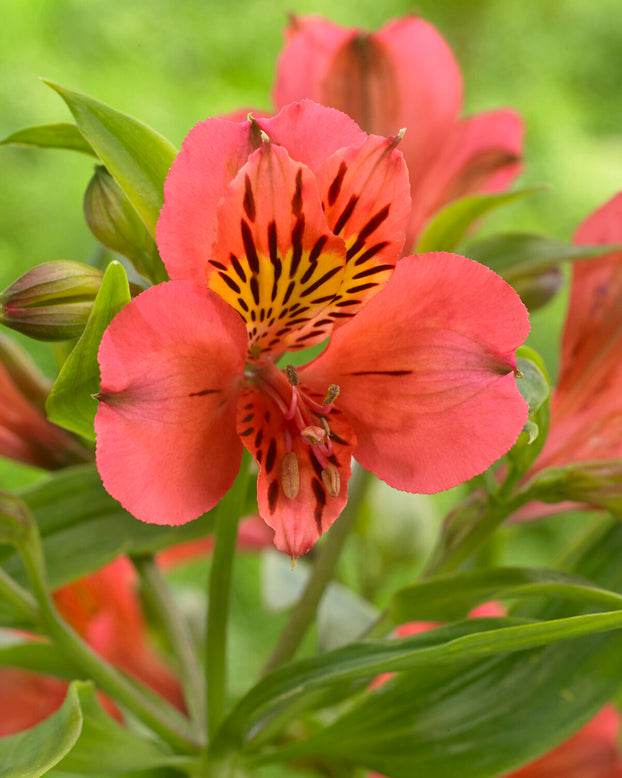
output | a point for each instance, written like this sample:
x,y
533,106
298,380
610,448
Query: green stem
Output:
x,y
178,634
321,575
15,595
225,536
160,717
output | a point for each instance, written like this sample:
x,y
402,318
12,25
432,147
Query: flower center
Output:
x,y
304,418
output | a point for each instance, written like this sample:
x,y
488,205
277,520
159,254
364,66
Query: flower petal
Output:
x,y
480,154
366,199
210,157
275,260
586,412
170,362
298,521
312,132
426,373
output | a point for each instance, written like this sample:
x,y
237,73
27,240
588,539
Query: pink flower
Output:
x,y
105,610
25,434
278,233
404,75
586,410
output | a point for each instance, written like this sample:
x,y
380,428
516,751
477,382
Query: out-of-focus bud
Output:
x,y
587,483
25,434
52,301
536,289
113,220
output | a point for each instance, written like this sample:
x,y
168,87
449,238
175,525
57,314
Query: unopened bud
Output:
x,y
115,223
313,435
26,376
596,483
537,289
290,475
52,301
331,480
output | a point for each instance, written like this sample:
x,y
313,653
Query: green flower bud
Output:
x,y
596,483
52,301
536,289
115,223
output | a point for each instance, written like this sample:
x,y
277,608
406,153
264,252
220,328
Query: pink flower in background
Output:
x,y
586,409
278,233
404,75
25,433
104,609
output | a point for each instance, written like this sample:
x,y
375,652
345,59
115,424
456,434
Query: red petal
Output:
x,y
275,259
210,157
366,199
480,154
426,373
170,362
586,413
298,522
311,132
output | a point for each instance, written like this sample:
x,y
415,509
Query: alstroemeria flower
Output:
x,y
404,75
586,408
25,434
278,233
105,610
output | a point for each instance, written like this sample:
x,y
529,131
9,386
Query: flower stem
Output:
x,y
321,575
159,716
225,536
178,634
15,595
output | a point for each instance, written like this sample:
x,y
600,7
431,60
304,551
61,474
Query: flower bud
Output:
x,y
596,483
536,289
115,223
26,376
52,301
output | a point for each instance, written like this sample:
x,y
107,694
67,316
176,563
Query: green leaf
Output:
x,y
51,136
485,716
71,403
36,656
138,157
517,253
451,223
106,746
533,383
452,596
35,751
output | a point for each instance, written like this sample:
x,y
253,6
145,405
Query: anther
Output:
x,y
290,475
325,427
313,435
331,479
331,395
292,375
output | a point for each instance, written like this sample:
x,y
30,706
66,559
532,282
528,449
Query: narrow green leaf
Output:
x,y
516,253
104,745
452,596
35,751
138,157
36,656
450,224
485,716
71,403
51,136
